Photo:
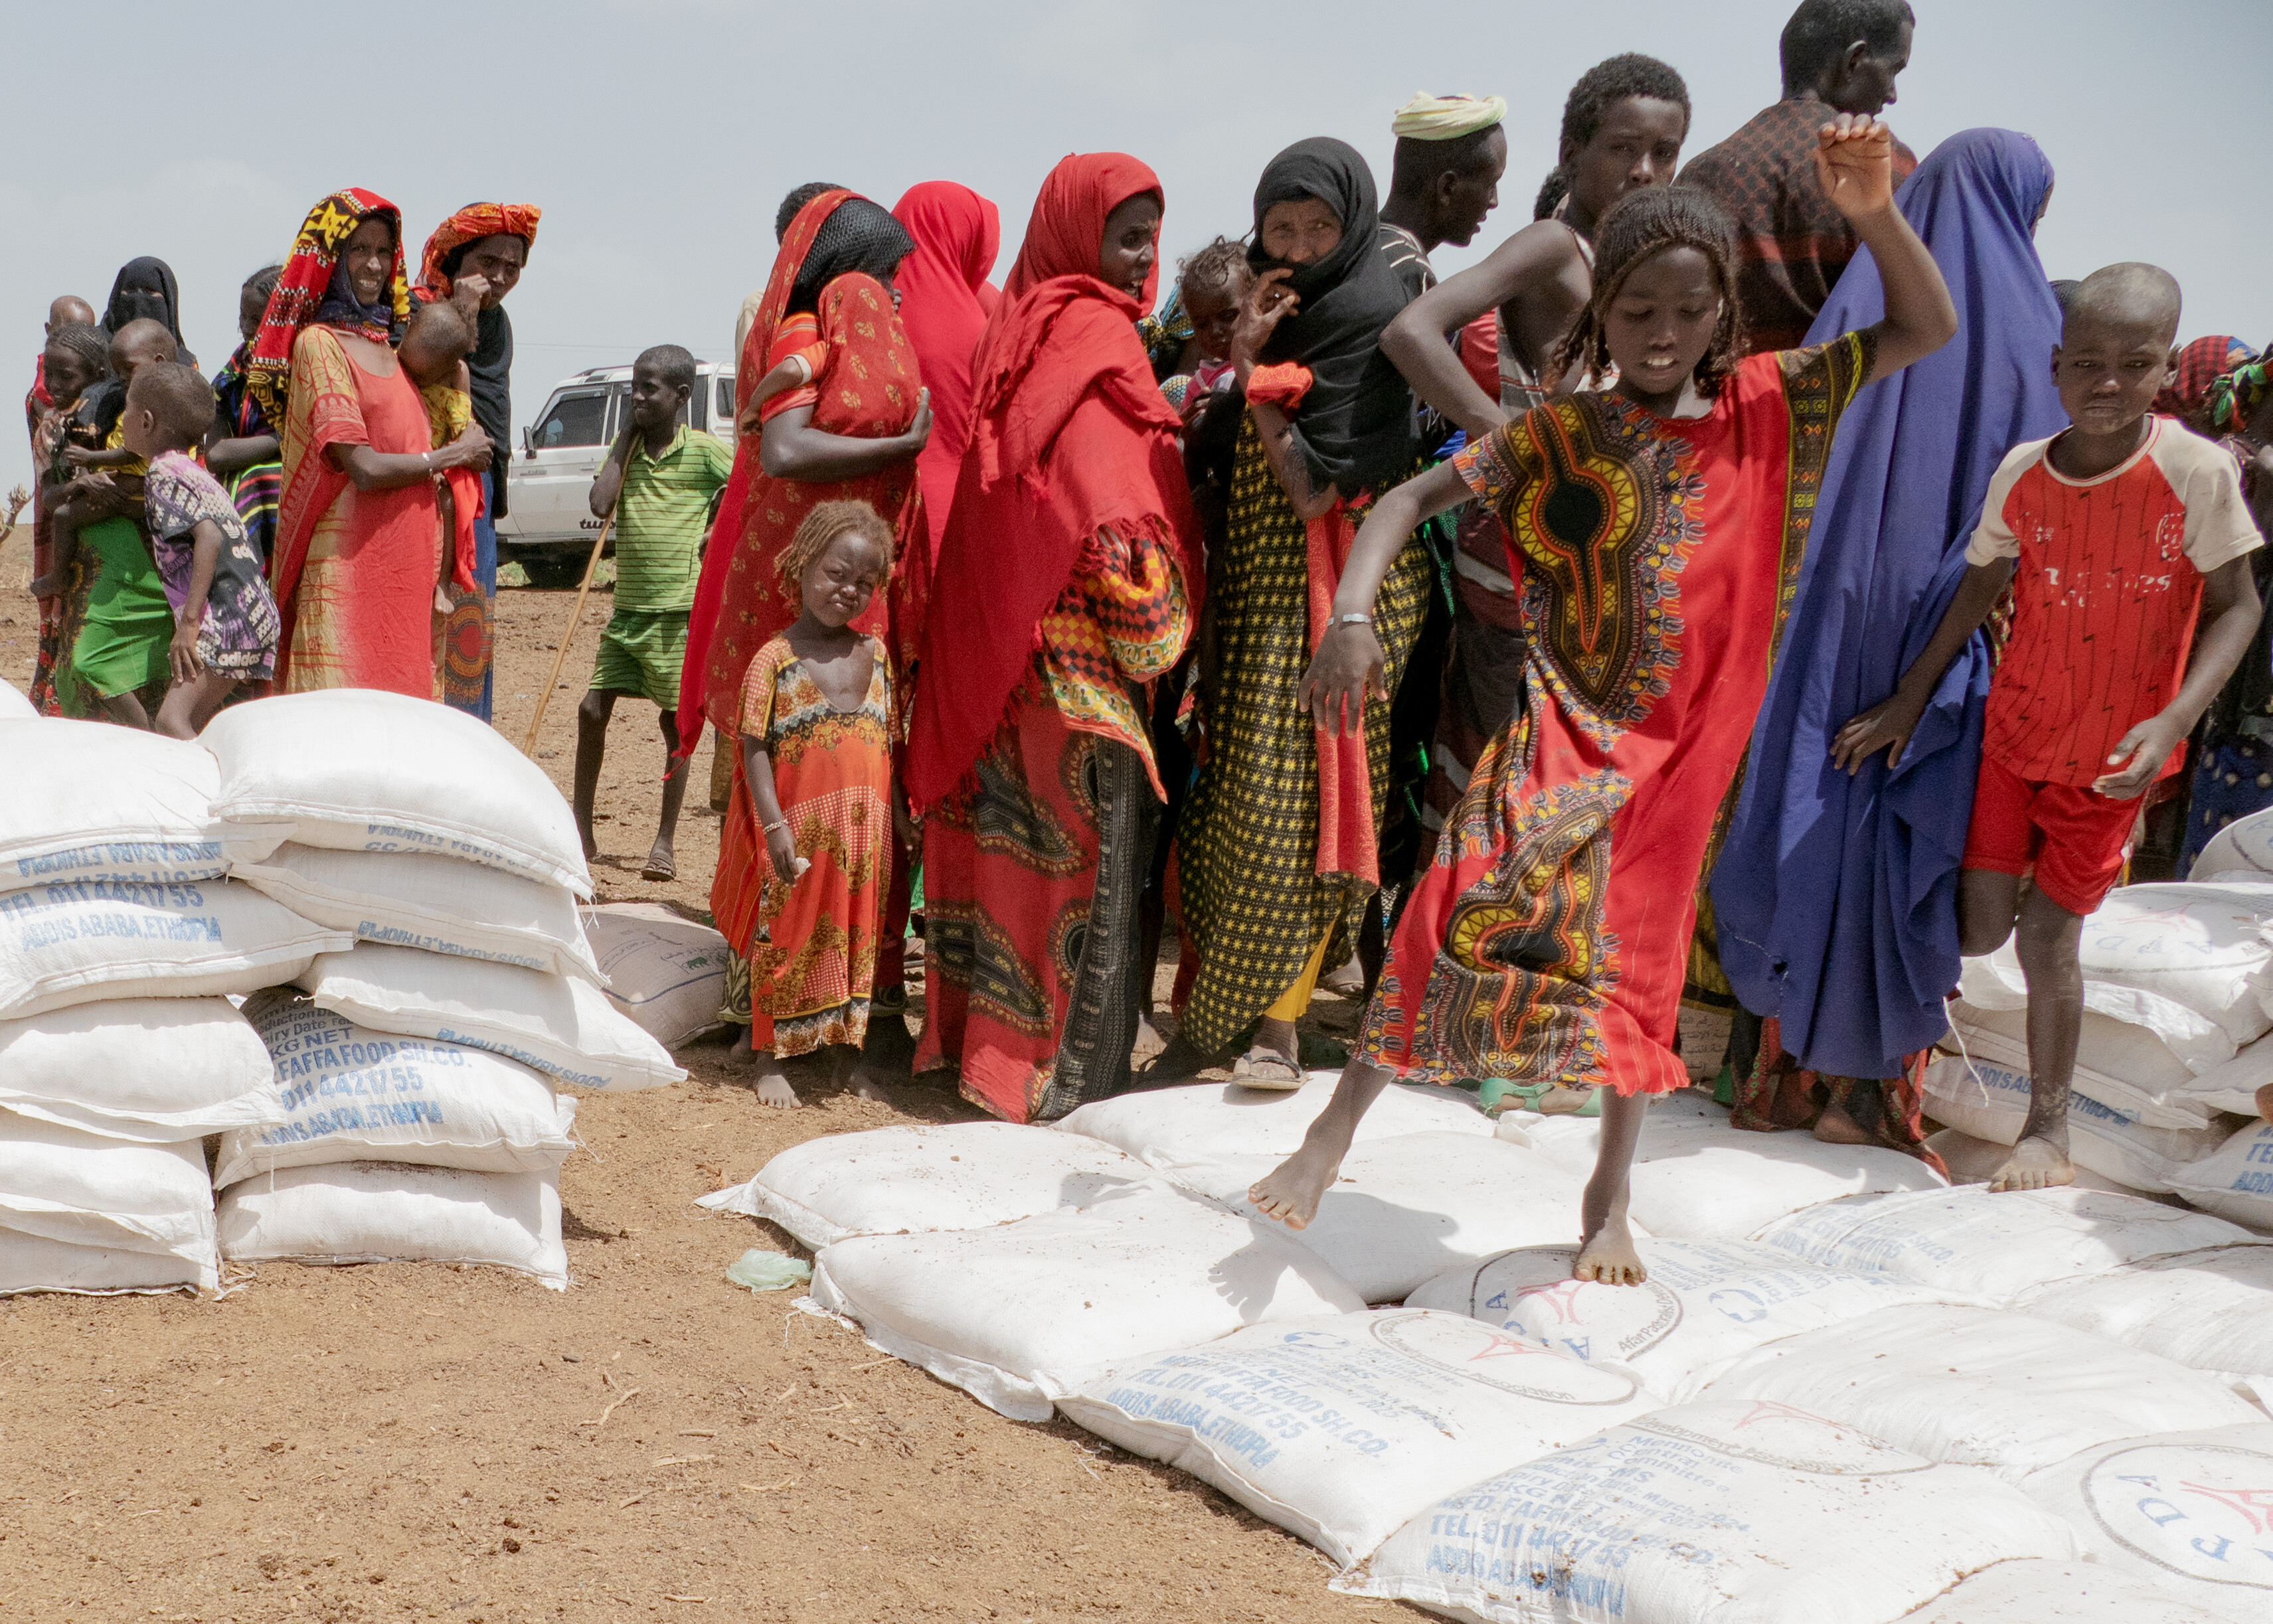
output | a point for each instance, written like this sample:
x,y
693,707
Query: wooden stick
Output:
x,y
560,657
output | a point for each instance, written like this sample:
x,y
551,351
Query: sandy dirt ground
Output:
x,y
415,1441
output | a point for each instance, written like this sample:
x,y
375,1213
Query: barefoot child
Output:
x,y
225,622
436,341
817,725
2115,534
662,480
1655,527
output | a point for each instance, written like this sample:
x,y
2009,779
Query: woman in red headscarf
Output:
x,y
1067,582
358,524
942,304
851,433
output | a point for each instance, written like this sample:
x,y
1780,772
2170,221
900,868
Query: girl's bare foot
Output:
x,y
1606,1255
1291,1192
2036,1163
773,1085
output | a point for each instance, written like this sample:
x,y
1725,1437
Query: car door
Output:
x,y
552,474
722,405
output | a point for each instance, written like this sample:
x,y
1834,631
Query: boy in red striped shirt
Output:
x,y
2116,534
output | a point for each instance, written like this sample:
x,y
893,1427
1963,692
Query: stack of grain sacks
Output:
x,y
2178,992
417,1058
120,937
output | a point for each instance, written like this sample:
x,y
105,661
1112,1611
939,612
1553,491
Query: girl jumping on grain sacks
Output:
x,y
1656,529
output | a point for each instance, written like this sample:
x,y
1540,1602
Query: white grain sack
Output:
x,y
1710,1512
76,941
2186,1513
353,1094
1978,1387
388,1212
2236,1179
157,1070
909,1180
360,770
1207,1121
1340,1429
1009,1313
108,1194
434,904
1706,1305
665,973
2127,1066
1990,1101
2045,1592
86,800
14,707
1697,1177
560,1025
2244,845
1995,1246
1405,1209
34,1264
2209,1310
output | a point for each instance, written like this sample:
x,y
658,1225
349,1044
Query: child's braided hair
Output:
x,y
823,525
1639,226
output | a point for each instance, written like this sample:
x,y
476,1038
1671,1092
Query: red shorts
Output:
x,y
2077,837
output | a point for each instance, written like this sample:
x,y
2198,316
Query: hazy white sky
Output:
x,y
658,135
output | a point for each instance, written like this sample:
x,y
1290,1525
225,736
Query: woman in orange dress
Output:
x,y
358,530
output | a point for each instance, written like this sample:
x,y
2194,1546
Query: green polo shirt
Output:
x,y
660,517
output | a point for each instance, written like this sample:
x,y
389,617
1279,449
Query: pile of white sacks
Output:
x,y
1848,1394
390,894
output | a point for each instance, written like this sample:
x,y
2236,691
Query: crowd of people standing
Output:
x,y
1516,649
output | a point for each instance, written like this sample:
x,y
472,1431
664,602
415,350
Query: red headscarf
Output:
x,y
956,233
307,276
471,224
1069,433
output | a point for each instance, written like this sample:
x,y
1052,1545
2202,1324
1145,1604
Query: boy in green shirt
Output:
x,y
662,480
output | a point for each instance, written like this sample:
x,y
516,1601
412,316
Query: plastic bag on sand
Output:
x,y
360,770
1207,1121
2185,1512
2211,1311
902,1180
109,1196
78,941
1990,1101
665,973
560,1025
1405,1209
2183,961
1340,1429
762,1270
86,800
1706,1305
157,1070
1978,1387
1696,1178
1995,1246
1709,1512
2042,1593
2236,1179
1009,1314
382,1212
354,1095
434,904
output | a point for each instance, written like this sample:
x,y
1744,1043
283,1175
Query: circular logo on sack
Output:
x,y
1481,1353
2203,1510
1779,1434
1530,1292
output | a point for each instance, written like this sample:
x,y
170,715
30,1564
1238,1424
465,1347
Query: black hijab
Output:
x,y
858,236
147,269
1356,424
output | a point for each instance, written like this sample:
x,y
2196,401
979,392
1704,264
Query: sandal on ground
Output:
x,y
654,870
1266,1068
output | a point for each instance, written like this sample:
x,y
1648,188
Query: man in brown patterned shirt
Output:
x,y
1839,56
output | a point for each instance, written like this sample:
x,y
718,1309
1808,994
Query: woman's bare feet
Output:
x,y
2265,1102
1835,1126
857,1076
1348,982
1291,1192
2036,1163
1561,1101
1178,1059
773,1084
738,1056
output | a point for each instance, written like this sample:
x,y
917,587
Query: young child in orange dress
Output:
x,y
818,721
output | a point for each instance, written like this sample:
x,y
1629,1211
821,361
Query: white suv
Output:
x,y
548,524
